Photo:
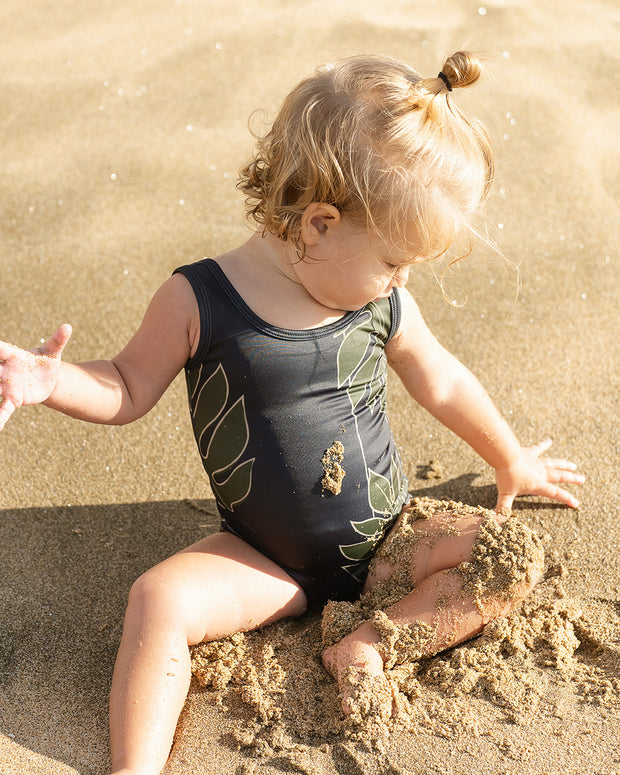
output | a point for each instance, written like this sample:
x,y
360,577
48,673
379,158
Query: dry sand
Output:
x,y
123,126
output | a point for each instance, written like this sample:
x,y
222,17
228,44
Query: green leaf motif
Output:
x,y
365,376
378,387
372,528
350,354
236,487
380,493
229,439
210,402
356,552
361,359
396,475
192,378
362,368
380,313
357,571
222,446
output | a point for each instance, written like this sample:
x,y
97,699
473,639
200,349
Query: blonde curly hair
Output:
x,y
383,145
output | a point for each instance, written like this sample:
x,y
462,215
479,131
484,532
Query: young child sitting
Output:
x,y
367,170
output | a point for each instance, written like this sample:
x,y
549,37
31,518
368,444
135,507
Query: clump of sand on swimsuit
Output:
x,y
333,472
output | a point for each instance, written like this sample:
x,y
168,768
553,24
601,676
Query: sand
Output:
x,y
333,472
123,126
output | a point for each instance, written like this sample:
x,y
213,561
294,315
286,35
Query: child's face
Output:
x,y
349,266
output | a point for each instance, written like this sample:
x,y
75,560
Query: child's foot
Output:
x,y
357,667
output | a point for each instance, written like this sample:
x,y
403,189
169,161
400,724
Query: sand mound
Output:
x,y
516,666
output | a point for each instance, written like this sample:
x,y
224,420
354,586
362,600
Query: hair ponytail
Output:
x,y
462,69
459,71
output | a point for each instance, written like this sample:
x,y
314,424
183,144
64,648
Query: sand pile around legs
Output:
x,y
275,674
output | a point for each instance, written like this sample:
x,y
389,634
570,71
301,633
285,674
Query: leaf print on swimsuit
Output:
x,y
224,436
360,363
362,368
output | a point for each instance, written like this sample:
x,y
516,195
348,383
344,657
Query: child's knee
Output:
x,y
154,594
506,562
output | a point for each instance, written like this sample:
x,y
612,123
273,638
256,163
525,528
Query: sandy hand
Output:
x,y
532,474
29,376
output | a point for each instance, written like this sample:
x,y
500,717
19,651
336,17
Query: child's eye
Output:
x,y
392,267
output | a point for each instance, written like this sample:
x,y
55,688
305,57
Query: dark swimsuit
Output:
x,y
267,403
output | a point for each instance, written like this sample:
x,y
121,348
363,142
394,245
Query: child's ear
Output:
x,y
317,220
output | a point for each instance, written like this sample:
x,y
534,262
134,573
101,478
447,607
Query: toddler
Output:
x,y
367,170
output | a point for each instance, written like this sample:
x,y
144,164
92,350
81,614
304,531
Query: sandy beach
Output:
x,y
123,126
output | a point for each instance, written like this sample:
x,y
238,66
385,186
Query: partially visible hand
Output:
x,y
532,474
29,376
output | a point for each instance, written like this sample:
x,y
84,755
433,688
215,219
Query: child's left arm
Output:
x,y
441,384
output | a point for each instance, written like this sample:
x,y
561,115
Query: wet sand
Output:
x,y
122,130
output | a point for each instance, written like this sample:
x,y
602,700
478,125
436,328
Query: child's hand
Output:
x,y
531,474
29,376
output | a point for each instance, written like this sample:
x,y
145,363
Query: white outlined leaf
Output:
x,y
371,527
350,354
210,403
235,488
229,439
380,493
356,552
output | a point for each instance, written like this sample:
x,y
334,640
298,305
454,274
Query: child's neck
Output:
x,y
262,272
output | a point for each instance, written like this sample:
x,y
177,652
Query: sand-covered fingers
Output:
x,y
56,343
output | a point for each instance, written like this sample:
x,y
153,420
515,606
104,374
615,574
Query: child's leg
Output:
x,y
216,587
440,601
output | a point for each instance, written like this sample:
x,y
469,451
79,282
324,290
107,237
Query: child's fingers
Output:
x,y
541,447
557,475
558,494
6,410
559,464
56,343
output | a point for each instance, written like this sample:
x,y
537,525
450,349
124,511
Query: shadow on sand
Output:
x,y
66,573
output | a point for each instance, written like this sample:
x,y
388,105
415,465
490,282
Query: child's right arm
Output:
x,y
115,391
450,392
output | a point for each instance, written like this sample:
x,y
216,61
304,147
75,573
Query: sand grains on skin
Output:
x,y
521,665
506,561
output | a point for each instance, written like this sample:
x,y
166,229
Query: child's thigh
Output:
x,y
440,542
218,586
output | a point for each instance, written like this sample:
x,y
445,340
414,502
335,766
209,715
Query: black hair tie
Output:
x,y
445,79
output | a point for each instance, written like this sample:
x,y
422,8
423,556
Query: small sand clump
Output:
x,y
401,643
333,472
506,556
432,470
339,618
258,676
369,699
